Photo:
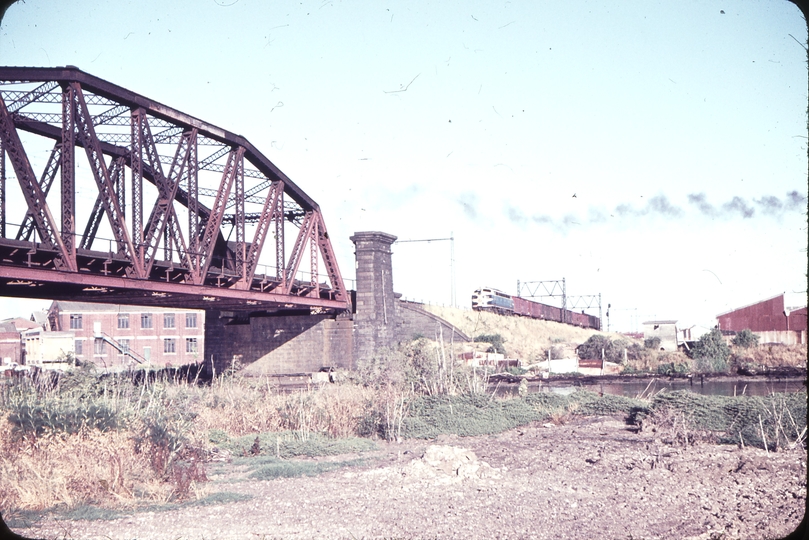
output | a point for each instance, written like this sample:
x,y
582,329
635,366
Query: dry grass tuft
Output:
x,y
772,355
244,406
71,470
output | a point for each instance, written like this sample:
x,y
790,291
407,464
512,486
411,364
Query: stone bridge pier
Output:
x,y
298,342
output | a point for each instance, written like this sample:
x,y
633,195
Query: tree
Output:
x,y
613,350
711,353
745,339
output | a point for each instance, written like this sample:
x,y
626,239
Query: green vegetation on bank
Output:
x,y
269,468
121,441
291,444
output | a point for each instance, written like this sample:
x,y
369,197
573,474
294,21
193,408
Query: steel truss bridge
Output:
x,y
153,206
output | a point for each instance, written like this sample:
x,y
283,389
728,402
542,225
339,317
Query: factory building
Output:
x,y
771,319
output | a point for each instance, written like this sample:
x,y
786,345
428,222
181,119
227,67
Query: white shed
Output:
x,y
665,330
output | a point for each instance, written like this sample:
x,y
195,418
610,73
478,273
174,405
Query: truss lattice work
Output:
x,y
154,206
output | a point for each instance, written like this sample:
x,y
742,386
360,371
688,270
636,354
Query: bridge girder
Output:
x,y
127,139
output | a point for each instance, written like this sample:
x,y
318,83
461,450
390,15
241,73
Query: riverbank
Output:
x,y
120,446
778,373
576,477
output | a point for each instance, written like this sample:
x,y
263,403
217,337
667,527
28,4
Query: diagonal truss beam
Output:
x,y
297,251
234,167
272,211
126,130
45,183
43,219
163,211
87,135
330,260
116,172
32,96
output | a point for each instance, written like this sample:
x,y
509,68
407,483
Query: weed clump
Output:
x,y
765,422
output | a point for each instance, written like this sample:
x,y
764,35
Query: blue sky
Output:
x,y
653,152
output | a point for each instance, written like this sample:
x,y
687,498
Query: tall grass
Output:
x,y
127,439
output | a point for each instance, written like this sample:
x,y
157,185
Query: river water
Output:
x,y
642,388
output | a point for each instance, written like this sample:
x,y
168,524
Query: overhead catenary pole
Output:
x,y
451,240
556,288
564,300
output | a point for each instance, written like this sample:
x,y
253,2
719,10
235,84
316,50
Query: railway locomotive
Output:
x,y
488,299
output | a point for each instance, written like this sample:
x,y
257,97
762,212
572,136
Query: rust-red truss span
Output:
x,y
191,235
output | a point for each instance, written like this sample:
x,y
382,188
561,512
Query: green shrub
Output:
x,y
613,350
745,339
496,341
217,436
652,343
591,349
37,418
711,353
385,366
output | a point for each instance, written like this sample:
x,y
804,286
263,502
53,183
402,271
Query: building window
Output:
x,y
145,320
75,321
169,346
190,320
78,347
124,344
123,320
100,347
168,320
191,345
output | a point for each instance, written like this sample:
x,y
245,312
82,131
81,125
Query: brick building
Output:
x,y
11,349
113,335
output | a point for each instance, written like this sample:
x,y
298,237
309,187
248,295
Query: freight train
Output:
x,y
488,299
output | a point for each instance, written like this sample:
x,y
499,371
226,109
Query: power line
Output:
x,y
451,240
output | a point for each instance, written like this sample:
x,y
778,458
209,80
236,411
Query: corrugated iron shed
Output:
x,y
765,316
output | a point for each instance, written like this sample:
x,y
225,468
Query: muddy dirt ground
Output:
x,y
592,477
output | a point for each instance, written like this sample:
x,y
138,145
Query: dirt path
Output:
x,y
590,478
